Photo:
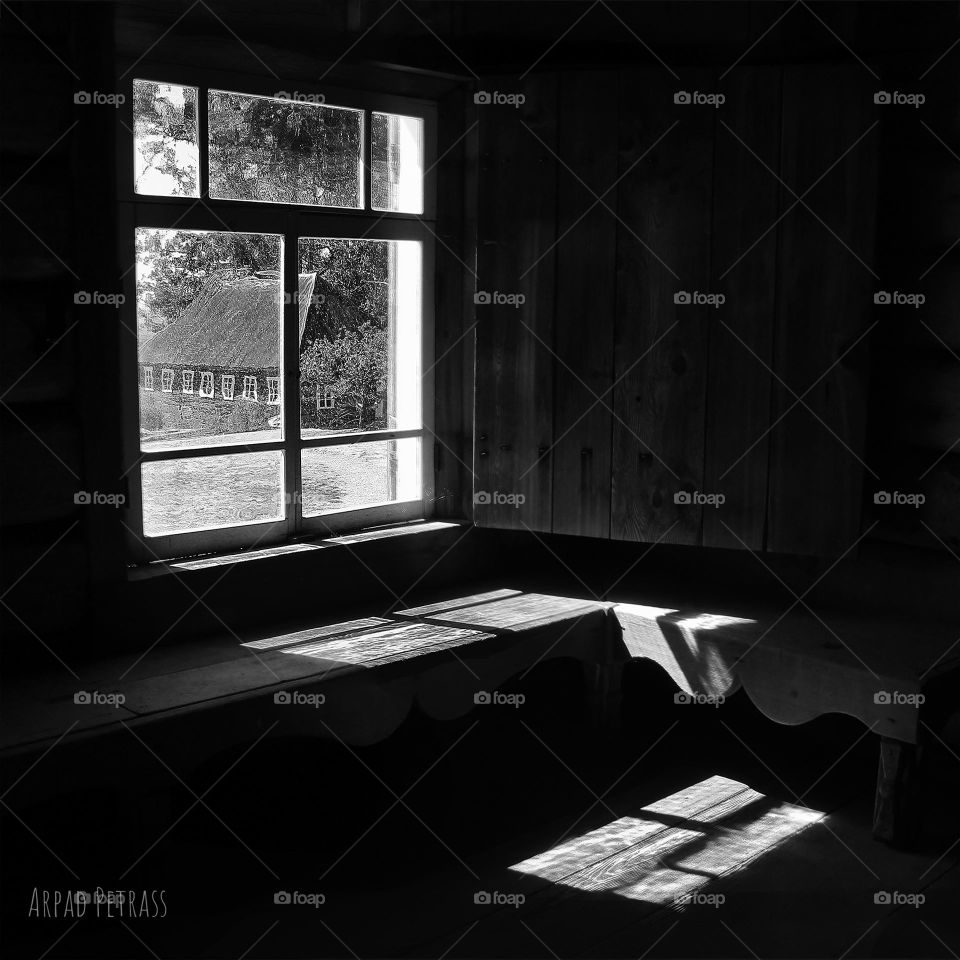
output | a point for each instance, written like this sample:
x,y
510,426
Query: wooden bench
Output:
x,y
445,657
798,666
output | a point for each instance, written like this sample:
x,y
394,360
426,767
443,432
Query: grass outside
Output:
x,y
207,492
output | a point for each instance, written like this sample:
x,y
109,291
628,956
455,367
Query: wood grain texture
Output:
x,y
457,603
795,666
586,303
824,304
514,361
746,195
453,341
331,630
520,613
663,248
640,863
388,644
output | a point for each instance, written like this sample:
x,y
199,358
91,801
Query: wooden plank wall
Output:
x,y
515,364
703,201
824,309
914,436
454,338
660,356
586,303
744,264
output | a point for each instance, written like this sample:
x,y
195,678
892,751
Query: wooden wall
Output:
x,y
65,568
52,249
914,433
601,399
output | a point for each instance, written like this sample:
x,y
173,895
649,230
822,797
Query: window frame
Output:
x,y
183,381
224,377
292,221
213,385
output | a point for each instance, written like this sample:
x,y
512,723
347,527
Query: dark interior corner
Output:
x,y
480,479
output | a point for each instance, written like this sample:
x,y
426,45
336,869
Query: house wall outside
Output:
x,y
183,414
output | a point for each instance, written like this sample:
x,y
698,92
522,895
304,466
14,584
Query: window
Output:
x,y
310,257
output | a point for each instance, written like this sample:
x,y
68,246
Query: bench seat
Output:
x,y
797,666
444,656
437,656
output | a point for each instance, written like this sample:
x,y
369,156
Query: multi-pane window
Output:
x,y
306,260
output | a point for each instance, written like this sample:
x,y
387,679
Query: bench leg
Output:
x,y
894,819
604,694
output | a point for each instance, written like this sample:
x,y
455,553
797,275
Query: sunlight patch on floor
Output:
x,y
673,847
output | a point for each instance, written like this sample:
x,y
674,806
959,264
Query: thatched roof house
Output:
x,y
230,325
226,343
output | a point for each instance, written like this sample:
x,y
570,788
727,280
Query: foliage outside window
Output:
x,y
215,300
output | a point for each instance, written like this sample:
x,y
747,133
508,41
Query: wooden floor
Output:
x,y
698,832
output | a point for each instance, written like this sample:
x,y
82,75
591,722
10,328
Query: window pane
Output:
x,y
360,337
353,475
202,493
396,163
166,154
284,151
209,314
